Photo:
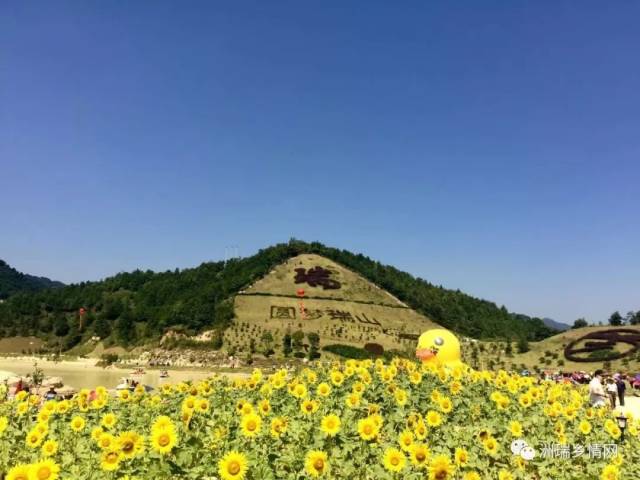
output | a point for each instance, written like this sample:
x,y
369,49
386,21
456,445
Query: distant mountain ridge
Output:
x,y
551,323
13,281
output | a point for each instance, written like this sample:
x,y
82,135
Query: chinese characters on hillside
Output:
x,y
289,313
316,276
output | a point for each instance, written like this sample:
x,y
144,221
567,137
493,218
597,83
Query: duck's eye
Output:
x,y
439,341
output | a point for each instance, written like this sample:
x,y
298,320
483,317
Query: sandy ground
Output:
x,y
631,404
83,373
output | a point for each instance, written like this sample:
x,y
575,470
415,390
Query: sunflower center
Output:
x,y
127,446
368,429
251,425
318,464
164,440
395,461
112,457
234,467
44,473
441,474
421,457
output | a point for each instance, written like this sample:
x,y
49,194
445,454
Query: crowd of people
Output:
x,y
609,389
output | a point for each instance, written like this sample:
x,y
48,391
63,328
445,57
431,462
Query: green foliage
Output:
x,y
267,343
314,344
12,281
615,319
523,345
298,339
107,359
60,326
579,323
348,351
287,348
102,328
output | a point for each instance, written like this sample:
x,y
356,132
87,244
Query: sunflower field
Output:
x,y
351,420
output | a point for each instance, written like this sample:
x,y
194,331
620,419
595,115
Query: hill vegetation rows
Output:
x,y
136,307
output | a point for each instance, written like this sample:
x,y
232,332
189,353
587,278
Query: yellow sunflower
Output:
x,y
3,424
309,406
77,423
130,444
49,448
367,428
505,475
610,472
330,425
44,470
490,445
394,460
434,419
34,439
515,428
162,423
110,460
163,441
19,472
250,425
108,420
264,407
106,441
419,455
324,389
440,468
315,463
461,457
405,439
233,466
584,427
278,427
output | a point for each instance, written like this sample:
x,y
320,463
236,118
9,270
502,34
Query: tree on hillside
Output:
x,y
314,345
126,328
73,338
298,338
286,344
60,326
267,343
523,345
102,328
508,349
629,317
579,323
636,318
615,319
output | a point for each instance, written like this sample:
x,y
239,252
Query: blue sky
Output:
x,y
488,146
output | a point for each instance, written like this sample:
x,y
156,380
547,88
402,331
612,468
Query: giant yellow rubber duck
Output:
x,y
440,347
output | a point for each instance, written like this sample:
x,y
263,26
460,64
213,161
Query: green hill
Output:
x,y
12,281
133,308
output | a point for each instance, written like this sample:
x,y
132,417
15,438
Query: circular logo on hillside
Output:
x,y
603,345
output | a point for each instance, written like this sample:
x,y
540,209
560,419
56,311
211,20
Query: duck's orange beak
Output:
x,y
425,354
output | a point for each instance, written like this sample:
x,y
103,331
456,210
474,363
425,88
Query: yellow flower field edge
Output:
x,y
352,420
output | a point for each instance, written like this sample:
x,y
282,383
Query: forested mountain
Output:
x,y
12,281
133,307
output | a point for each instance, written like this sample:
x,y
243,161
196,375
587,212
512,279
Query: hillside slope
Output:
x,y
338,304
134,307
13,281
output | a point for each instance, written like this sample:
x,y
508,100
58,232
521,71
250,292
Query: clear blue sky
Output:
x,y
488,146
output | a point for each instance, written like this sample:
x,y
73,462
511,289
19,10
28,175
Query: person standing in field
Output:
x,y
612,390
621,387
596,392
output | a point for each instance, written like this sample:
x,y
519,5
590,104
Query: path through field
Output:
x,y
632,404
